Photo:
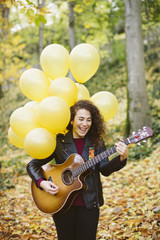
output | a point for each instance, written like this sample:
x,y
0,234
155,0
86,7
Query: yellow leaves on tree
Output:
x,y
12,53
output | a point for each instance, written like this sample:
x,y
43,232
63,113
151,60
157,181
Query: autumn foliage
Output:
x,y
131,210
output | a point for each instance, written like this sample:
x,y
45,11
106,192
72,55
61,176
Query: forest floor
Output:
x,y
131,210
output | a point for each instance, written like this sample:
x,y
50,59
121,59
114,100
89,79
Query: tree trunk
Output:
x,y
1,92
71,30
138,108
72,41
41,29
4,18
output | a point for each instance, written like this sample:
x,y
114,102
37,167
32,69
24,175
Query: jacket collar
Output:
x,y
68,138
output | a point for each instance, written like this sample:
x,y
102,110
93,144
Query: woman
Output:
x,y
85,137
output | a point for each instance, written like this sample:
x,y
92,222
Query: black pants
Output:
x,y
78,223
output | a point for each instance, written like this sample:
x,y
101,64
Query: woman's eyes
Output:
x,y
82,119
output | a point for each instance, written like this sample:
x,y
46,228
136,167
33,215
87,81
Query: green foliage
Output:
x,y
151,9
98,21
111,74
12,163
13,57
40,19
139,152
13,167
12,100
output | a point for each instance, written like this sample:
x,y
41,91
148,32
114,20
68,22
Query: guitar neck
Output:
x,y
86,165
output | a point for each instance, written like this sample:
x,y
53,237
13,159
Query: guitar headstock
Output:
x,y
142,134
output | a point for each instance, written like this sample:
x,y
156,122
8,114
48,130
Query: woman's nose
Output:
x,y
84,122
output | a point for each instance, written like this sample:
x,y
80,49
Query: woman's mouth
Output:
x,y
83,129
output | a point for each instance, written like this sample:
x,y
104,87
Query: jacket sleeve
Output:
x,y
34,168
107,167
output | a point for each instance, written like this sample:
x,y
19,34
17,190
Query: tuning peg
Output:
x,y
139,143
133,133
144,141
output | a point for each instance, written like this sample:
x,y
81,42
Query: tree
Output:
x,y
41,27
138,107
71,30
72,40
4,15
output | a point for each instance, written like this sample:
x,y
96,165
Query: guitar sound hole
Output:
x,y
67,177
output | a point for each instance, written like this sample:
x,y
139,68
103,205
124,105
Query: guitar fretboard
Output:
x,y
86,165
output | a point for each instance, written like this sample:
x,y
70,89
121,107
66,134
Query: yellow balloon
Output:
x,y
84,61
34,84
22,120
39,143
54,61
83,92
107,104
64,88
31,104
16,140
54,114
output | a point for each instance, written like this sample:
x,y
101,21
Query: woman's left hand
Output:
x,y
122,149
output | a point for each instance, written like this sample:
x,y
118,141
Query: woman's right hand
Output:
x,y
49,187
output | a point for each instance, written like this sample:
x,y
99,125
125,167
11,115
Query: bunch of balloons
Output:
x,y
35,125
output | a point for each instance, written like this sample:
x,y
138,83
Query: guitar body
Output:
x,y
69,186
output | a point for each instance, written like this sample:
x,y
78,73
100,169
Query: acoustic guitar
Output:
x,y
70,177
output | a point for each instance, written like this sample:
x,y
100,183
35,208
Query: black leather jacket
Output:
x,y
93,196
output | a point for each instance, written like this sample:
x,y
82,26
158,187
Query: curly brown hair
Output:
x,y
98,128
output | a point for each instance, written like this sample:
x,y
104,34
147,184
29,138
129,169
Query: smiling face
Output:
x,y
81,123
